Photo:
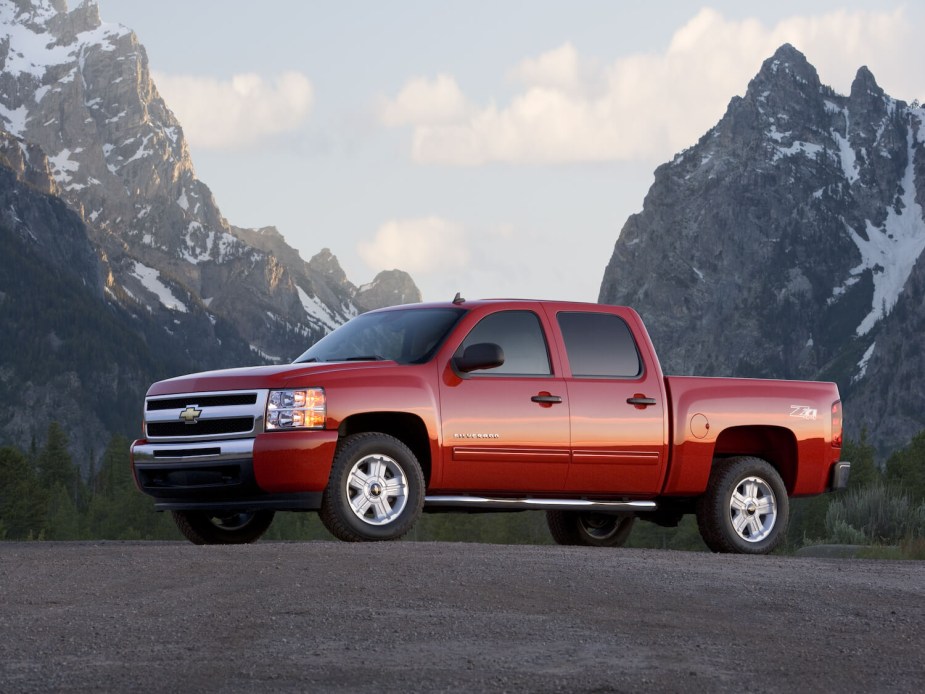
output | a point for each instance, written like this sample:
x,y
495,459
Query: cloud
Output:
x,y
559,69
425,101
647,106
423,246
242,111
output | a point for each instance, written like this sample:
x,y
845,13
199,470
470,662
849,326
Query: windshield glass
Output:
x,y
409,336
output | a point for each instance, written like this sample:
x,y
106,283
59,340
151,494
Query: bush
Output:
x,y
878,514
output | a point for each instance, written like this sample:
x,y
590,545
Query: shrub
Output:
x,y
878,514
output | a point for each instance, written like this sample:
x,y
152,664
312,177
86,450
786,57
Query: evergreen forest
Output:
x,y
43,496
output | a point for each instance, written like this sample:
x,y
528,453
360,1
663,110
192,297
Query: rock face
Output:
x,y
81,120
68,352
787,243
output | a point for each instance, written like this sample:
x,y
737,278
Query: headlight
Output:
x,y
296,409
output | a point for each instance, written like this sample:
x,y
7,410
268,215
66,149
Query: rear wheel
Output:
x,y
589,528
745,508
375,491
223,528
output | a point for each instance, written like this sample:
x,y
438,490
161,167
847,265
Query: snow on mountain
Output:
x,y
891,250
81,90
151,280
788,242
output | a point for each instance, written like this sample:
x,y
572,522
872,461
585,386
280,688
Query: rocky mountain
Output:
x,y
67,354
788,243
82,123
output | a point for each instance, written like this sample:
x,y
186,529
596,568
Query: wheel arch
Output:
x,y
404,426
776,445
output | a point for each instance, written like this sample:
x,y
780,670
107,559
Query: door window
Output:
x,y
599,345
520,337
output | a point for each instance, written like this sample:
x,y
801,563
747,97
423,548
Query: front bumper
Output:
x,y
279,471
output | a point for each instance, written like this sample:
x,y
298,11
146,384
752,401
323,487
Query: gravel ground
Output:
x,y
400,617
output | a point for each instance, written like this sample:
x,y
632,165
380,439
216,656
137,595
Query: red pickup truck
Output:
x,y
497,405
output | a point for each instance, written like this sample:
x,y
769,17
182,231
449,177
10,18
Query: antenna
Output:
x,y
458,299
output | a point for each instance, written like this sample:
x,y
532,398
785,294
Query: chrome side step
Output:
x,y
478,502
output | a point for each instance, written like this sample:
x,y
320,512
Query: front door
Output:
x,y
506,429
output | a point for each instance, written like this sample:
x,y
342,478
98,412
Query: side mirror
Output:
x,y
484,355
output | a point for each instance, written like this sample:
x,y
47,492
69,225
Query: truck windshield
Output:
x,y
408,336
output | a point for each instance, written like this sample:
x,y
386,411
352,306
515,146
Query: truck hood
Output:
x,y
254,377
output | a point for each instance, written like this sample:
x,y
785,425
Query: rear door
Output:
x,y
506,429
617,405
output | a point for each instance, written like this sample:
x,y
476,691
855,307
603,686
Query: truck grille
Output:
x,y
203,401
195,416
208,427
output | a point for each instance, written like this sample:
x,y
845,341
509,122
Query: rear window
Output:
x,y
599,345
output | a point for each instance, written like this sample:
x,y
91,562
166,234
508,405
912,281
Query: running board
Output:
x,y
538,504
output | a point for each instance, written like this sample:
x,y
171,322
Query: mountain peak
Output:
x,y
789,242
52,15
865,84
786,67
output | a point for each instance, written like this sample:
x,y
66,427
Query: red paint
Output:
x,y
559,435
294,461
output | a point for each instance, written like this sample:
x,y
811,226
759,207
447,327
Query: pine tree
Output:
x,y
23,503
906,468
864,469
117,510
54,465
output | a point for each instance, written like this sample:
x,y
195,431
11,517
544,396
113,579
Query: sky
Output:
x,y
495,148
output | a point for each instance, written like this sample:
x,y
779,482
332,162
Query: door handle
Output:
x,y
640,401
547,399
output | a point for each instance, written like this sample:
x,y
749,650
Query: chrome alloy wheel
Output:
x,y
753,509
377,489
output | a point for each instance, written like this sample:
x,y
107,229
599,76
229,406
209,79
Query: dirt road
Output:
x,y
399,617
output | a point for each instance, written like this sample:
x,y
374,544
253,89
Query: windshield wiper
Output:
x,y
365,357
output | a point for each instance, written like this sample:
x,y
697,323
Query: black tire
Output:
x,y
745,508
357,505
589,528
223,528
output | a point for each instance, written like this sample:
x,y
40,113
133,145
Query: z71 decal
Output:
x,y
803,411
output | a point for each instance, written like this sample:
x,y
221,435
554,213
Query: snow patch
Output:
x,y
151,280
141,152
862,365
317,311
268,357
225,242
14,119
807,148
62,166
846,154
891,251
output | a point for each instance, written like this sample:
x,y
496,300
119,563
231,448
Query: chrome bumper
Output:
x,y
840,473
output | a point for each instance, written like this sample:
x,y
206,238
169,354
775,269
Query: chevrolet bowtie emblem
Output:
x,y
190,415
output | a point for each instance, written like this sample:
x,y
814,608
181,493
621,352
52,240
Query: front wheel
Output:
x,y
745,508
375,491
589,528
222,528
